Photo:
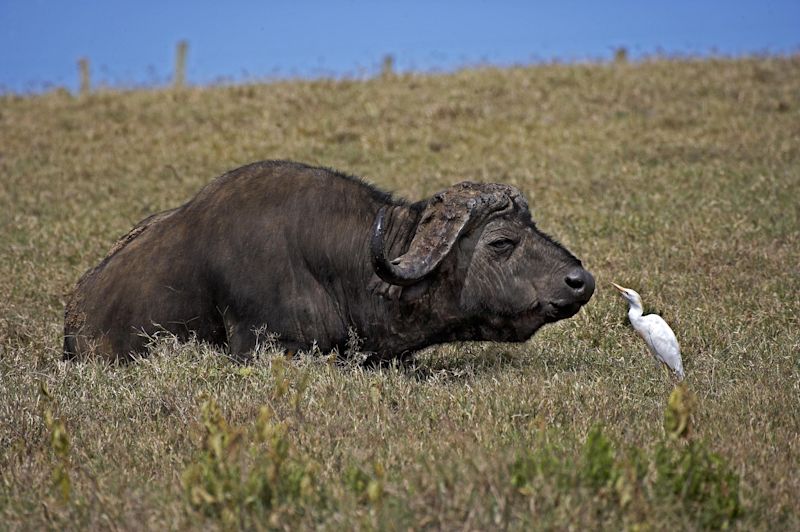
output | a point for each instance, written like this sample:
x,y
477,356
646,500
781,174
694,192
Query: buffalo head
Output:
x,y
496,270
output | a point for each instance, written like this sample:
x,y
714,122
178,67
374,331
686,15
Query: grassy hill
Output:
x,y
678,178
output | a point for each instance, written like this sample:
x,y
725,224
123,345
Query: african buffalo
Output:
x,y
311,254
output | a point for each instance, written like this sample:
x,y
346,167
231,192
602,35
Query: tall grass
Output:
x,y
678,178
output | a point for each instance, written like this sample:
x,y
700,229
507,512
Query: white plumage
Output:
x,y
656,332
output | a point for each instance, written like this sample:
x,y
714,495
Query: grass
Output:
x,y
677,178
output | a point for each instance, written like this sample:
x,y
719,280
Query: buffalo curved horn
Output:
x,y
444,219
383,268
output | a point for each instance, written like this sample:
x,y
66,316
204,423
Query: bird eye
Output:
x,y
502,245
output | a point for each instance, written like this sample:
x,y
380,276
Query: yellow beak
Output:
x,y
618,287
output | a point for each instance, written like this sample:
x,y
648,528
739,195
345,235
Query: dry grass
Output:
x,y
679,178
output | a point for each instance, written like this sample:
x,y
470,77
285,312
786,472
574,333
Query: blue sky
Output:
x,y
133,43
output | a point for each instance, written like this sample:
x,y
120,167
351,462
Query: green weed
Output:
x,y
686,478
367,487
59,445
241,478
697,481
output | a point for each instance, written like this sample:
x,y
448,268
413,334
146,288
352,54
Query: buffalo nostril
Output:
x,y
575,280
581,283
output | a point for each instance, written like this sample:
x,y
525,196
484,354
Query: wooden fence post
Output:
x,y
83,69
180,64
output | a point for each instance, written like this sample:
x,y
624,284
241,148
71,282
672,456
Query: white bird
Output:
x,y
656,332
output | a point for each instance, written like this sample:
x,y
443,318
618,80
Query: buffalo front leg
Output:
x,y
242,338
245,337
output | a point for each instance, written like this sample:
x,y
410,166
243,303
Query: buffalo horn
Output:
x,y
447,215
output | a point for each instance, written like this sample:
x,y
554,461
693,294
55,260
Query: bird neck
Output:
x,y
635,311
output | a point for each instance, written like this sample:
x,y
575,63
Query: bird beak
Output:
x,y
618,287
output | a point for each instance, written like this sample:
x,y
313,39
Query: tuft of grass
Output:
x,y
678,178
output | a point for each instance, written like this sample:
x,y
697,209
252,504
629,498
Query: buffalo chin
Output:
x,y
513,329
557,311
521,327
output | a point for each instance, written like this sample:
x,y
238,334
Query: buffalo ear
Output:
x,y
447,215
381,288
416,291
394,292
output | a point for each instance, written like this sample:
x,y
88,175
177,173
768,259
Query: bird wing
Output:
x,y
662,342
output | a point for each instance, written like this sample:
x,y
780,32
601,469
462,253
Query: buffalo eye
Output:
x,y
502,245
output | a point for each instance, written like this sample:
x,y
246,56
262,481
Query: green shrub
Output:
x,y
60,447
599,463
700,480
672,476
230,485
535,465
367,487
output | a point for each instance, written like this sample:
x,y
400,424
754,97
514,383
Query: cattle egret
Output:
x,y
656,333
